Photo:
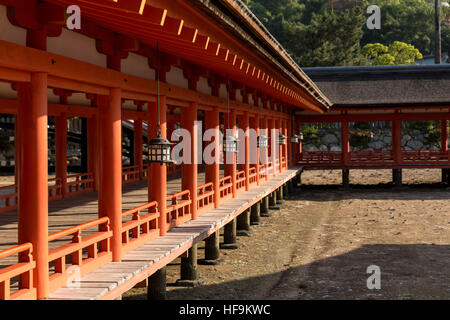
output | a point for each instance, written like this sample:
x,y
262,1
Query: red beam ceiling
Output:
x,y
206,44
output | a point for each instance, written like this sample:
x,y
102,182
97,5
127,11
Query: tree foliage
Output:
x,y
397,53
315,34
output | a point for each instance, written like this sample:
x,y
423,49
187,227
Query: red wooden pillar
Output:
x,y
245,127
111,176
230,164
444,139
397,140
290,156
213,170
256,124
279,126
93,150
286,154
189,170
61,151
158,173
345,142
33,191
266,150
138,145
300,142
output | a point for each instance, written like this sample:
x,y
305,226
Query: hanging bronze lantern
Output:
x,y
282,140
294,138
230,144
262,142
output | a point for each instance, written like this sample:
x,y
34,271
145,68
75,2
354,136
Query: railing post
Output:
x,y
189,170
33,191
111,176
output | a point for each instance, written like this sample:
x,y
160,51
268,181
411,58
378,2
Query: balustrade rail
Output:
x,y
240,180
205,197
178,208
16,280
80,183
85,253
130,174
8,198
252,176
141,226
225,188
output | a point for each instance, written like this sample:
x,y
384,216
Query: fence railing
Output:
x,y
178,208
141,227
80,183
8,200
253,176
54,189
16,280
130,174
225,188
85,253
240,180
205,197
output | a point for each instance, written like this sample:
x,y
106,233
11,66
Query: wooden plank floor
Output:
x,y
115,278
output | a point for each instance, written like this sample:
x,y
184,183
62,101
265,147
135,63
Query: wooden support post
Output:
x,y
212,173
246,126
285,189
33,167
111,176
231,159
243,223
158,191
273,201
138,146
157,285
345,142
212,252
189,170
229,236
61,151
397,140
265,207
188,268
397,177
255,214
345,178
279,193
256,123
93,150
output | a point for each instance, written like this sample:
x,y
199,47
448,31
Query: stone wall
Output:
x,y
329,139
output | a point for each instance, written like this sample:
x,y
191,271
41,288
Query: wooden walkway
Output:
x,y
113,279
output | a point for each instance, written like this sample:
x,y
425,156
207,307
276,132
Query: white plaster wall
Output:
x,y
76,46
203,86
78,99
239,96
175,77
223,91
11,33
6,92
137,65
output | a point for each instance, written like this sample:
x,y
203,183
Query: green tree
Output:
x,y
397,53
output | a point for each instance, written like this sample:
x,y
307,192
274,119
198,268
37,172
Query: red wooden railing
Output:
x,y
178,208
55,189
130,174
374,157
21,271
252,176
240,180
96,245
141,228
8,201
225,188
80,183
205,197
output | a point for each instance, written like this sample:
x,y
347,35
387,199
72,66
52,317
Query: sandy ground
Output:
x,y
321,243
